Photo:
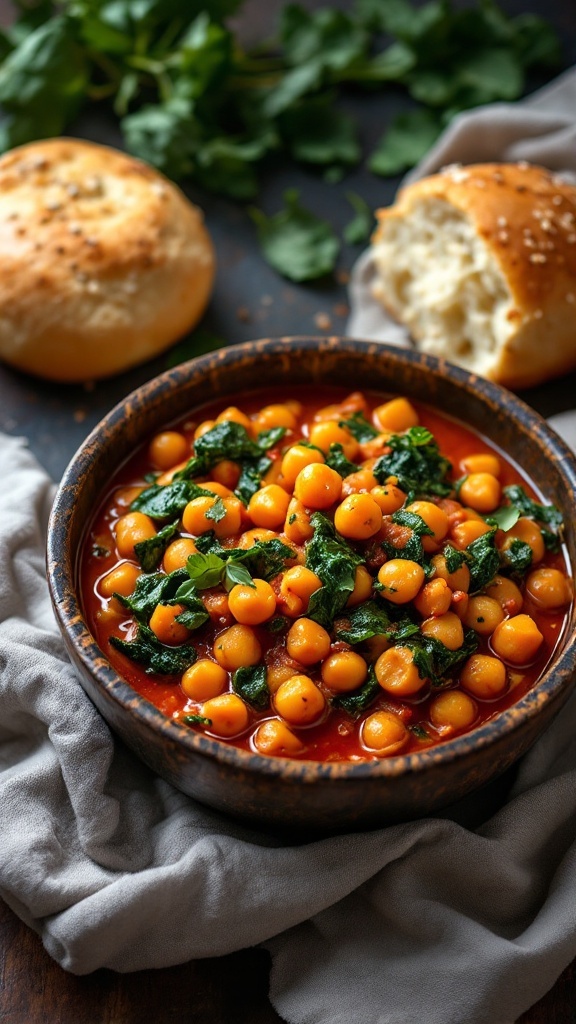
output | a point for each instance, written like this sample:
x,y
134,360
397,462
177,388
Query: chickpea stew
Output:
x,y
327,577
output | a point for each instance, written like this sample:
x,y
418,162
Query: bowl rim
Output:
x,y
62,576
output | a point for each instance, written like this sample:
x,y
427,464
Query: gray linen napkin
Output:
x,y
428,921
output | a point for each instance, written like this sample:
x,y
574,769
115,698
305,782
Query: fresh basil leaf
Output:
x,y
235,573
249,682
270,438
504,518
416,461
205,571
156,658
359,427
149,552
334,562
337,460
297,243
226,440
357,701
195,613
264,560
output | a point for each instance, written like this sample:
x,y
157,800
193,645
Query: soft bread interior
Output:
x,y
438,277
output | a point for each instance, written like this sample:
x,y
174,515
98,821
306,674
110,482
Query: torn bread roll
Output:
x,y
104,263
479,263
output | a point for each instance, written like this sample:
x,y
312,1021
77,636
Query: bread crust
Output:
x,y
104,263
526,218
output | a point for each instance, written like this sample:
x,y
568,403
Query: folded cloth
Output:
x,y
428,921
541,130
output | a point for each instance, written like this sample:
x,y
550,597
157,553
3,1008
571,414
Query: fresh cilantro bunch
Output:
x,y
194,104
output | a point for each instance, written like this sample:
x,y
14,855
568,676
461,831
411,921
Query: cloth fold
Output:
x,y
430,920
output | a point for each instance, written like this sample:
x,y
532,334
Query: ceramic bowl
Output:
x,y
275,791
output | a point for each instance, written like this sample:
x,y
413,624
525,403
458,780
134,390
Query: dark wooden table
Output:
x,y
250,301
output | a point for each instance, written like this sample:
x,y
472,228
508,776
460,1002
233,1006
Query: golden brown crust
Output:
x,y
526,217
103,262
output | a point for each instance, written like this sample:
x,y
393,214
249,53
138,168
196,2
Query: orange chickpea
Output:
x,y
177,554
204,680
250,537
435,518
268,506
447,628
483,614
397,415
434,598
275,416
273,475
484,677
237,647
218,488
299,701
396,672
164,626
297,529
196,520
131,529
389,497
275,739
318,486
227,473
358,517
517,640
453,710
464,534
506,593
235,415
252,605
307,642
228,714
401,579
384,733
457,580
481,491
296,588
121,580
526,531
354,483
362,587
216,604
325,434
483,462
295,459
278,673
549,588
168,448
344,671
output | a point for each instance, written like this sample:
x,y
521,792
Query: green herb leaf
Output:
x,y
196,720
518,557
363,622
337,460
504,518
299,245
151,590
407,140
264,560
249,682
217,511
413,550
359,229
235,573
358,700
168,501
454,558
359,427
434,660
205,571
416,460
334,562
149,552
532,509
484,561
316,132
156,658
195,613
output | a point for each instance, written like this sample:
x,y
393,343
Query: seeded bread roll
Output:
x,y
479,262
103,262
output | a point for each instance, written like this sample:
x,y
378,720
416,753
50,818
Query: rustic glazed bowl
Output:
x,y
275,791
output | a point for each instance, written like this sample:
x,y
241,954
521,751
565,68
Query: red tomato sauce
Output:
x,y
336,736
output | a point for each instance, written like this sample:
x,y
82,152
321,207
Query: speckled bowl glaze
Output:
x,y
275,791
